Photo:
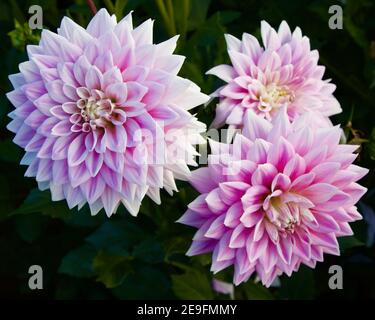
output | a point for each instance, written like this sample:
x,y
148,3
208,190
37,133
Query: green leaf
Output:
x,y
181,10
175,245
149,251
192,285
145,282
346,243
83,218
34,202
30,227
112,269
78,262
301,285
198,13
203,259
256,291
40,201
22,35
122,233
193,71
370,146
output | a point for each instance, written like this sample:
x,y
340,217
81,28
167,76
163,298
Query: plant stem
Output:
x,y
171,16
119,8
186,12
109,5
92,6
164,14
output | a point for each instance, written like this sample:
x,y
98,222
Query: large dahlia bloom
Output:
x,y
284,72
277,197
93,105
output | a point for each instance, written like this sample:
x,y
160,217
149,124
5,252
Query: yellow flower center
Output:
x,y
272,97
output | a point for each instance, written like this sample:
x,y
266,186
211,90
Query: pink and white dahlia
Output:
x,y
277,197
93,104
284,72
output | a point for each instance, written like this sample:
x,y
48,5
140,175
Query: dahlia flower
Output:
x,y
279,196
284,72
91,106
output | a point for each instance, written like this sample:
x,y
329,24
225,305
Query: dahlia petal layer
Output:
x,y
83,101
276,198
284,71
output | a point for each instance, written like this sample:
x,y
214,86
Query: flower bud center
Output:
x,y
284,215
272,97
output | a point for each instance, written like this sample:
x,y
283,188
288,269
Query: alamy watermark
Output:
x,y
36,20
36,279
336,20
336,280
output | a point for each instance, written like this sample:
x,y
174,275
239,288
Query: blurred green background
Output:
x,y
128,258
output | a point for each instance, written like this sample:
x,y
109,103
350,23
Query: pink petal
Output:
x,y
77,151
320,192
116,138
94,78
224,72
94,162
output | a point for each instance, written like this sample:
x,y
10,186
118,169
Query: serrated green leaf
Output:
x,y
145,282
192,285
175,245
149,251
346,243
256,291
78,262
111,269
34,202
22,35
203,259
121,233
301,285
40,201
